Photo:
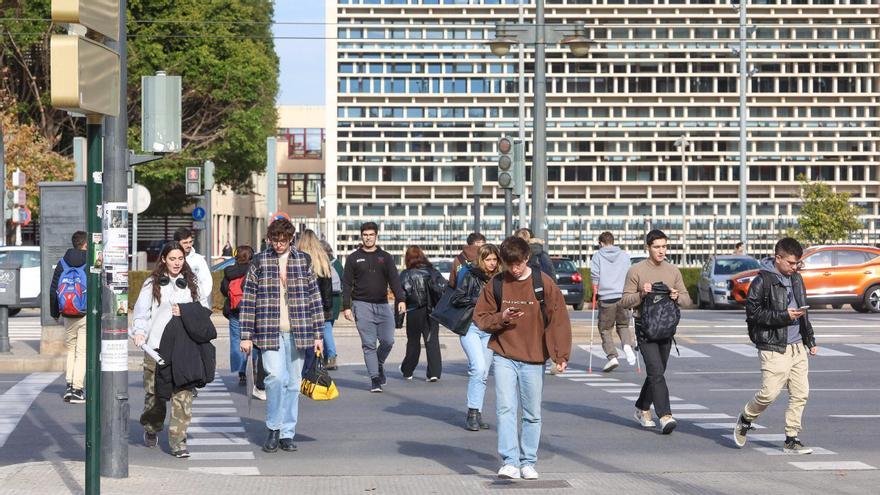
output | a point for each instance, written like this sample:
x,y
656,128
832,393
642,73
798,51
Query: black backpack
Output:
x,y
659,314
537,285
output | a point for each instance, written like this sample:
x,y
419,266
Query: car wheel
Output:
x,y
872,299
578,306
858,307
711,303
14,311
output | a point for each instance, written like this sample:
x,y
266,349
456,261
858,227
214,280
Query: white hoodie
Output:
x,y
202,271
150,317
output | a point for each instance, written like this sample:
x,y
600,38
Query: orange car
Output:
x,y
835,275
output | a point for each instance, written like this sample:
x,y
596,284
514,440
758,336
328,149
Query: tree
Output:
x,y
826,215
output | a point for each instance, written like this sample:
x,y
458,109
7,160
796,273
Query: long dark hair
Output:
x,y
415,257
161,270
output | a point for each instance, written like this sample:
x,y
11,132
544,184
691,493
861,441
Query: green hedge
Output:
x,y
689,275
136,281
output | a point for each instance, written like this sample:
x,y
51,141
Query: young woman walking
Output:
x,y
310,244
232,287
422,285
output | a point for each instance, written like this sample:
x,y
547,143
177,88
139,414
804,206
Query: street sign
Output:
x,y
143,199
198,213
199,225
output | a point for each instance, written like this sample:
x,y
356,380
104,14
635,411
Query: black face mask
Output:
x,y
165,280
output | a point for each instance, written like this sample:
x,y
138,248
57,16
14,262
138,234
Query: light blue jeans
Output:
x,y
476,346
283,377
518,384
237,359
329,343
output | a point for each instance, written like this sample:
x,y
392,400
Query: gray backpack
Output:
x,y
659,314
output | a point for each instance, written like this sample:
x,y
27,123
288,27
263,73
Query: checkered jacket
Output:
x,y
259,313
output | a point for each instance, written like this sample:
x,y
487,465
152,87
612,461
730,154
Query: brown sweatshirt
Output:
x,y
525,338
648,271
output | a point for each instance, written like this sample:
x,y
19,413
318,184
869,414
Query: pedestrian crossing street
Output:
x,y
749,350
217,436
702,417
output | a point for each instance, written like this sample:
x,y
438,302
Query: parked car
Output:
x,y
636,258
153,250
443,265
714,288
222,264
29,259
835,275
570,282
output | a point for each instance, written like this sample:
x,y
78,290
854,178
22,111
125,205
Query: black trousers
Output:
x,y
419,327
654,390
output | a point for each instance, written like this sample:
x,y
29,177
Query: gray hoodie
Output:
x,y
608,270
794,329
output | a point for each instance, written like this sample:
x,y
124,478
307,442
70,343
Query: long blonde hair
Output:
x,y
310,244
485,251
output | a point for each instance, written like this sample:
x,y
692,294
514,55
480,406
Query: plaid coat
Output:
x,y
259,313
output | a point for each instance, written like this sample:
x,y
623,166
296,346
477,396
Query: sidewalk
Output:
x,y
69,477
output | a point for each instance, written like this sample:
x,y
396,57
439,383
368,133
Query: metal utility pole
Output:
x,y
539,130
271,178
2,188
523,217
682,144
93,301
209,222
114,320
478,190
743,81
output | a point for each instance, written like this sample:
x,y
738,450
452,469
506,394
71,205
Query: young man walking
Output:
x,y
196,263
781,330
468,254
369,272
639,282
608,269
281,314
67,299
529,323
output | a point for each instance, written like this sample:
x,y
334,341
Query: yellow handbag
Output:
x,y
317,384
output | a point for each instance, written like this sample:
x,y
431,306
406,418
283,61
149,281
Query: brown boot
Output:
x,y
331,364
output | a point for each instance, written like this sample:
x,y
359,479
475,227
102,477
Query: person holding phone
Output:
x,y
781,330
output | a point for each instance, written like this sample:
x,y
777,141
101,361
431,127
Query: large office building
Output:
x,y
416,103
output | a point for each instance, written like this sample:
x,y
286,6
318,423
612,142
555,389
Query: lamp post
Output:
x,y
682,143
744,74
539,34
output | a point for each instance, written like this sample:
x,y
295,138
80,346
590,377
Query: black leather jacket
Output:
x,y
767,313
422,287
468,292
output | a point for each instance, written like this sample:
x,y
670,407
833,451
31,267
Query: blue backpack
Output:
x,y
72,290
463,267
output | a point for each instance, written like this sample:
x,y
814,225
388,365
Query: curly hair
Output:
x,y
162,270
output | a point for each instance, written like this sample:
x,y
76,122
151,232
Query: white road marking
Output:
x,y
854,416
217,441
594,380
832,466
827,351
747,350
606,384
198,401
211,410
687,352
221,456
622,390
636,397
755,372
215,429
211,395
216,419
746,336
725,426
867,347
233,470
778,451
690,407
811,389
762,437
702,416
16,401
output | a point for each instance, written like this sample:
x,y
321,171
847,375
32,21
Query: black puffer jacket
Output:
x,y
466,295
190,357
422,287
767,312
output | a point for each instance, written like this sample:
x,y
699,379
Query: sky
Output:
x,y
301,62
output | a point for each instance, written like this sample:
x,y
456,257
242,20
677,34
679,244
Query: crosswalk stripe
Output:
x,y
215,419
221,456
867,347
232,470
702,416
833,466
829,352
215,429
217,441
594,380
614,384
687,352
725,426
622,390
18,399
763,437
690,407
778,451
198,401
741,349
636,397
211,410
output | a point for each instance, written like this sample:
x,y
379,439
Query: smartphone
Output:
x,y
515,310
804,307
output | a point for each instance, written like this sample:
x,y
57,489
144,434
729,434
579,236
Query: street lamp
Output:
x,y
539,34
682,143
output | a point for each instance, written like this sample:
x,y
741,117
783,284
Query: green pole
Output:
x,y
93,315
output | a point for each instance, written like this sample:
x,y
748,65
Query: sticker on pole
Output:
x,y
198,213
114,355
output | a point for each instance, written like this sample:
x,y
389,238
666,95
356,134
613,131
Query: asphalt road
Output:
x,y
416,427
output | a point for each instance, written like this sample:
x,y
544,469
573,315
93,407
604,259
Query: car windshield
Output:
x,y
443,266
564,266
734,265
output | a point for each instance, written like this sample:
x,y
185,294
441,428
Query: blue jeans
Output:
x,y
329,343
237,359
476,346
283,368
518,384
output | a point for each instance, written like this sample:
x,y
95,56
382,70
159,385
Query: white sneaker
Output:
x,y
508,472
644,418
630,355
528,473
611,365
258,394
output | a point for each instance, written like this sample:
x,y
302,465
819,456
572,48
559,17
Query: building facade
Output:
x,y
416,103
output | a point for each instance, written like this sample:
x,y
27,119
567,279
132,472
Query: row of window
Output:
x,y
303,143
593,2
301,188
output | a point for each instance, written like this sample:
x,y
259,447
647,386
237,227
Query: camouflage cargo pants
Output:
x,y
153,417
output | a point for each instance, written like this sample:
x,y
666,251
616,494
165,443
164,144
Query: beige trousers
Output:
x,y
780,371
613,316
75,342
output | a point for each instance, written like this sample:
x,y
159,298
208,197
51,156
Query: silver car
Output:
x,y
715,287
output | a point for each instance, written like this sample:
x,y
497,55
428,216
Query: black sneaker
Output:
x,y
376,385
382,379
68,393
242,379
78,397
741,430
181,454
151,440
287,445
793,445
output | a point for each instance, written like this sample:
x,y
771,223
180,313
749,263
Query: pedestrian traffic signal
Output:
x,y
505,163
193,181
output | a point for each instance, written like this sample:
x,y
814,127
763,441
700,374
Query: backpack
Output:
x,y
537,285
463,267
71,292
235,291
659,314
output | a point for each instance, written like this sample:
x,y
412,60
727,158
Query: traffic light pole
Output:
x,y
508,212
539,130
93,314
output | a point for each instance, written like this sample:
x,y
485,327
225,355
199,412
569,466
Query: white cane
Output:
x,y
592,326
638,363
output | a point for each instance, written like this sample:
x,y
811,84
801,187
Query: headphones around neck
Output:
x,y
165,280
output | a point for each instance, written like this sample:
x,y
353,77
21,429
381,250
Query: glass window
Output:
x,y
729,266
821,259
848,258
303,143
